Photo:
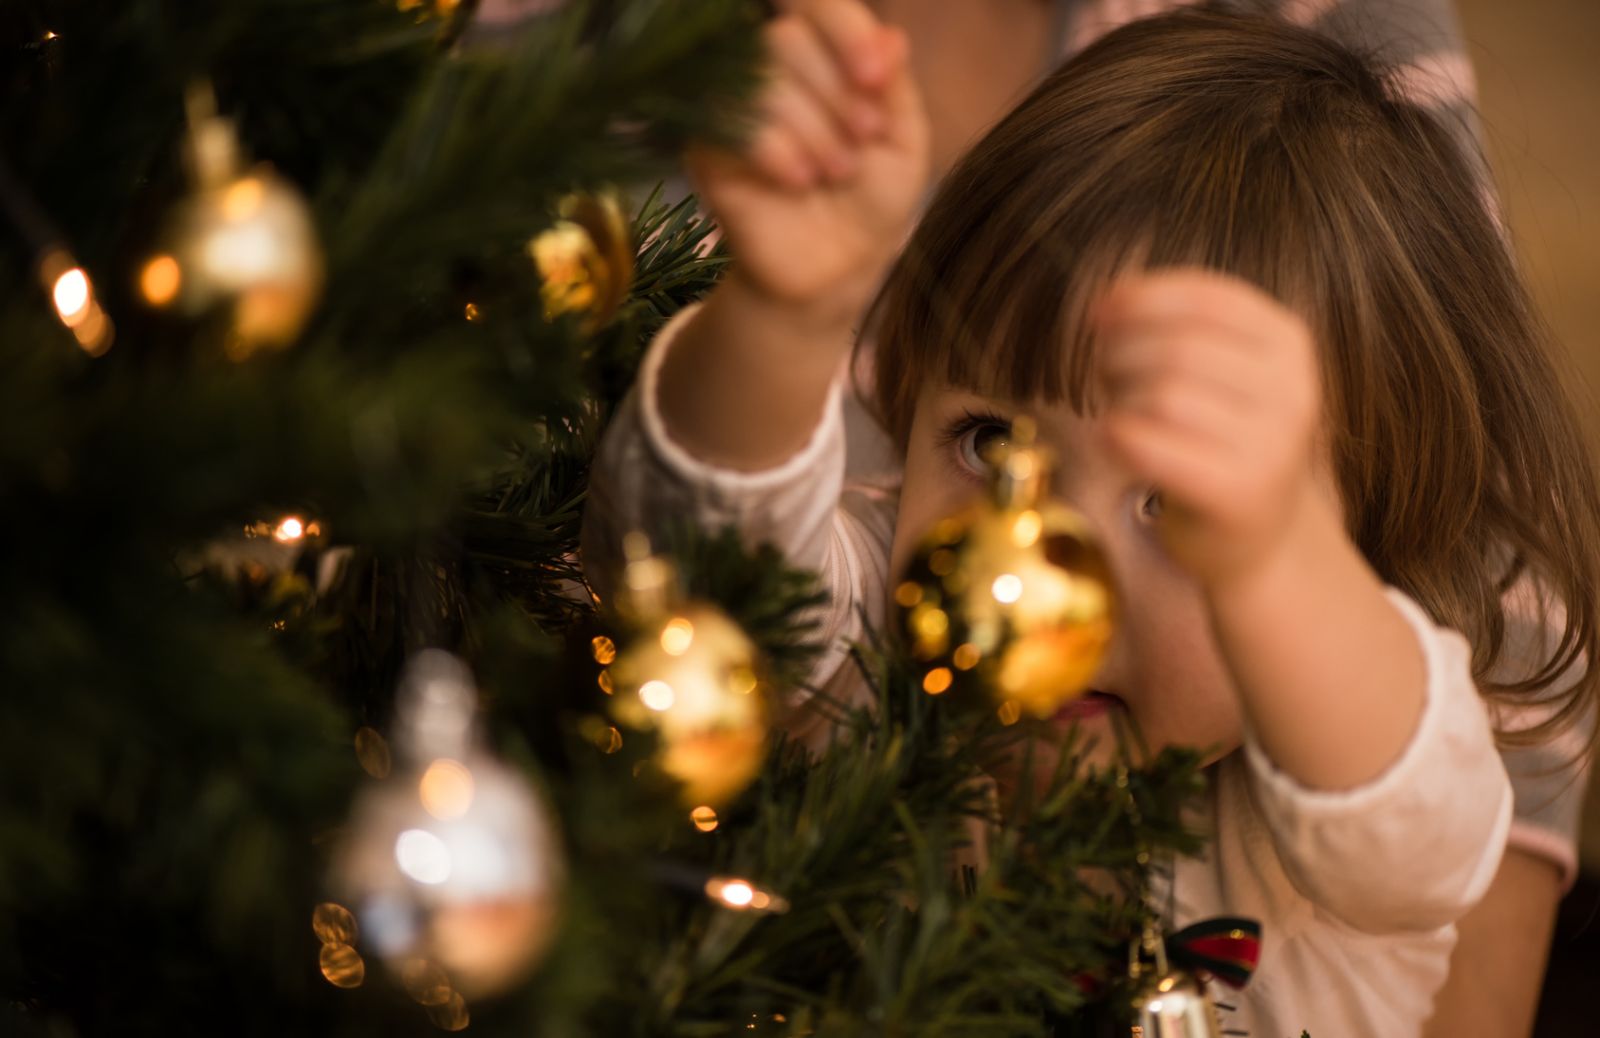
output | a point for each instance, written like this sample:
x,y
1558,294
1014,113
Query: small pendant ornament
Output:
x,y
1014,595
1170,998
451,864
244,240
688,672
1167,1002
585,259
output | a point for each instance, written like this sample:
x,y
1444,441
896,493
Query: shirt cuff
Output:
x,y
1419,843
725,483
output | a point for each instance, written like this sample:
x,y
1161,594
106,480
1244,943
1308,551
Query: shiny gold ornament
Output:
x,y
1173,1004
585,259
453,860
690,674
244,240
1013,596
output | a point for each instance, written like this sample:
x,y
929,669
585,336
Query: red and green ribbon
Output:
x,y
1227,947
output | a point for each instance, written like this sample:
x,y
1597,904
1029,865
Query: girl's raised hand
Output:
x,y
818,201
1213,395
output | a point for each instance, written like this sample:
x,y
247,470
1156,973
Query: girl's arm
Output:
x,y
814,209
1213,395
1369,748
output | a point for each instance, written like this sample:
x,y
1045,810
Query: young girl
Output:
x,y
1257,308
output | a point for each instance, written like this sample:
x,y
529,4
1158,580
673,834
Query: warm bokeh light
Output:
x,y
704,818
446,789
1010,712
657,695
290,528
738,894
677,636
71,296
333,924
471,312
742,895
966,656
605,650
243,199
937,680
1007,588
422,856
342,965
160,280
1025,529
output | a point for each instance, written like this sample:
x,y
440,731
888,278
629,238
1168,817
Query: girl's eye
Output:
x,y
1150,505
976,440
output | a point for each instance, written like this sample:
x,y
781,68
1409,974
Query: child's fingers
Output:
x,y
1193,297
793,108
778,154
1211,419
1189,471
797,46
855,35
1133,359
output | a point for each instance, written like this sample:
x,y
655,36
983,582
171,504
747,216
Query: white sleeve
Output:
x,y
1415,848
642,480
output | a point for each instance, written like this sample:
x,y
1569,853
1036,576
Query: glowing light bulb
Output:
x,y
1007,588
71,295
422,856
290,529
657,695
738,894
160,280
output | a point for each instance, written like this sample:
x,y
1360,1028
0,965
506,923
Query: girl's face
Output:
x,y
1163,670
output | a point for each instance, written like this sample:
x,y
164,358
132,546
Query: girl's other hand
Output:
x,y
818,201
1213,395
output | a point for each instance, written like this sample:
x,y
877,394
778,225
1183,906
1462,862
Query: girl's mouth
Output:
x,y
1092,703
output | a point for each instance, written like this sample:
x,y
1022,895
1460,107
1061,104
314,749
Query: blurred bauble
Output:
x,y
689,673
585,259
452,865
1013,596
1173,1004
243,240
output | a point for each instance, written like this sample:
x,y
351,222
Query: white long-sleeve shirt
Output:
x,y
1358,890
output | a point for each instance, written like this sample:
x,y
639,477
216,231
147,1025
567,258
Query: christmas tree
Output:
x,y
267,432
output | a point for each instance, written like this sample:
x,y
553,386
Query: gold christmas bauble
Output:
x,y
243,240
1173,1004
1013,597
692,676
585,259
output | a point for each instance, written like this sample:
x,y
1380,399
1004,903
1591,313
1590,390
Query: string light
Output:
x,y
743,896
290,528
72,295
160,280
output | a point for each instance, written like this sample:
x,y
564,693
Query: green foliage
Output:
x,y
174,745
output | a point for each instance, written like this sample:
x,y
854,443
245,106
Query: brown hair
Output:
x,y
1250,146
